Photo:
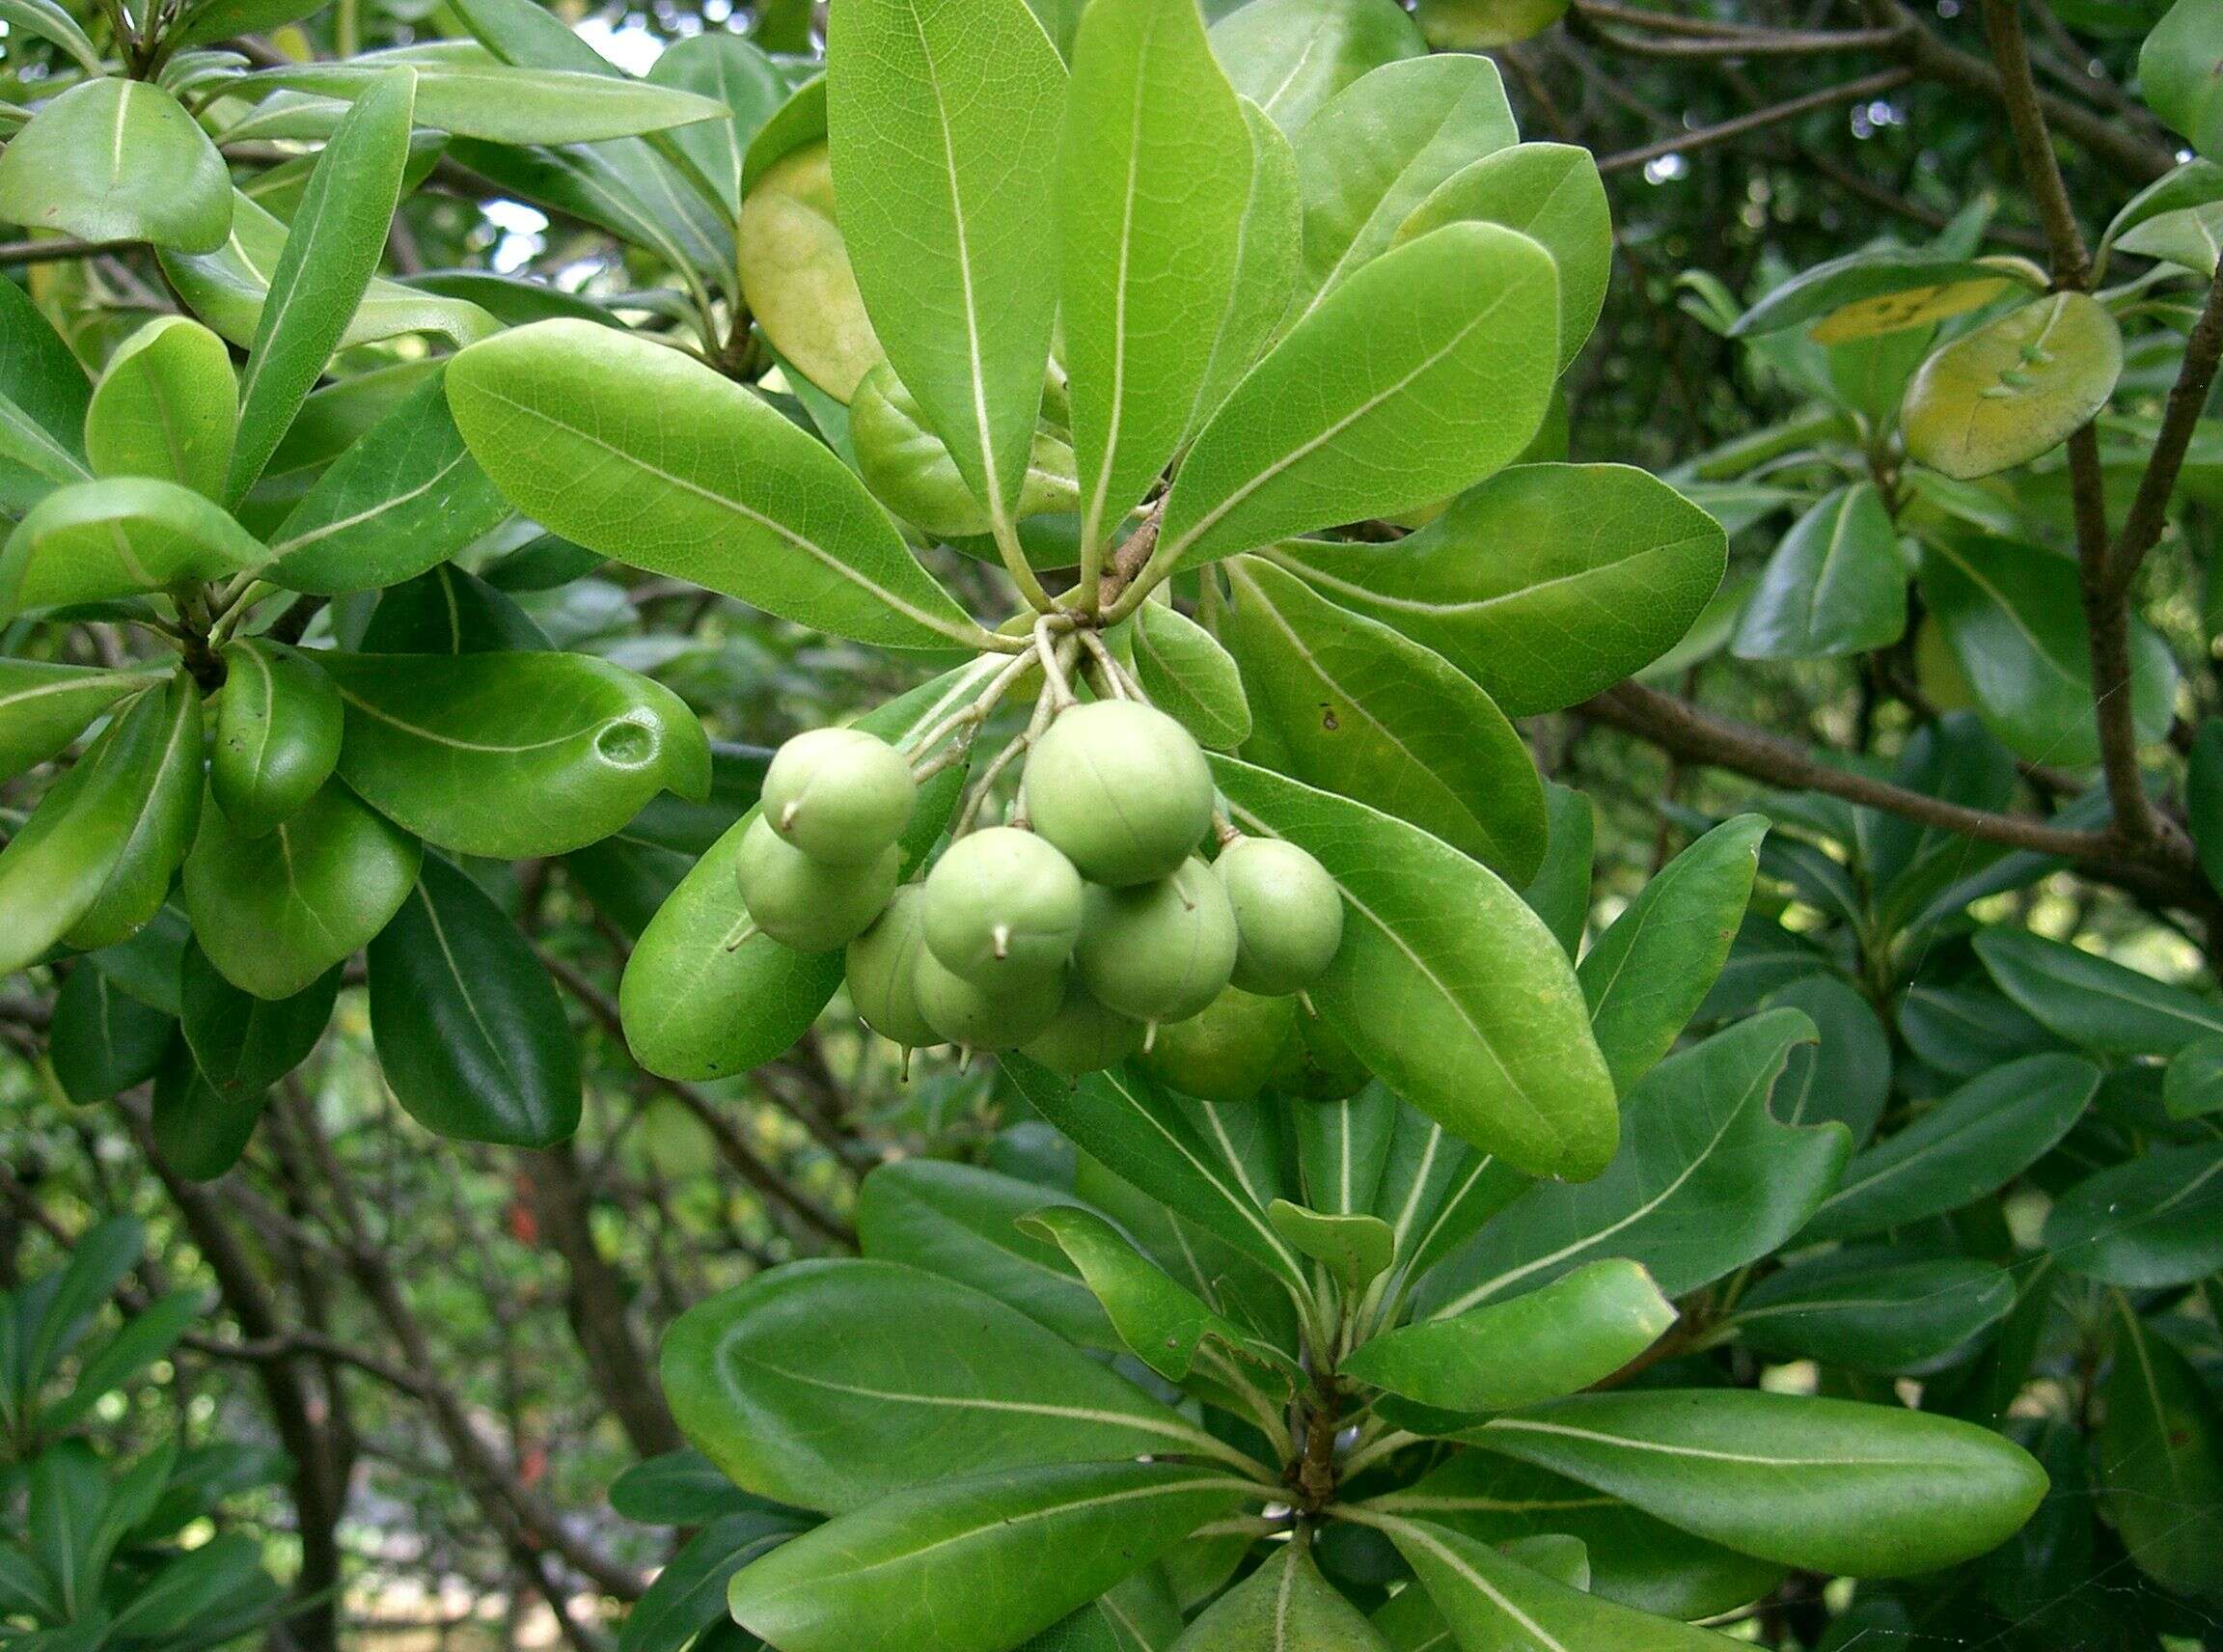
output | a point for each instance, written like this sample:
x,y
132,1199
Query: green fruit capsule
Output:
x,y
882,970
1123,789
1158,951
1001,904
839,795
1288,914
1086,1037
1229,1051
1317,1066
804,904
982,1018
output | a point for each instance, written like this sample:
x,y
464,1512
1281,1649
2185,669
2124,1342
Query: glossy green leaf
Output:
x,y
2192,238
347,871
689,1594
1706,1180
278,729
405,498
830,1385
446,611
2015,388
146,966
330,254
1877,291
2178,70
1546,584
1873,1312
953,245
1871,1491
503,104
160,829
2160,1460
1343,1147
1578,1330
118,537
1345,704
44,707
1023,1547
1552,193
1354,1248
2095,1003
1190,677
1483,25
116,160
1291,56
911,470
632,449
1446,986
103,1040
1559,893
1379,147
447,745
1269,253
1141,1614
200,1131
471,1035
2013,618
2153,1222
1978,1139
1654,964
50,22
1847,1076
228,289
1416,377
1834,585
205,22
1153,168
964,1223
244,1044
165,406
731,70
2192,1085
1284,1606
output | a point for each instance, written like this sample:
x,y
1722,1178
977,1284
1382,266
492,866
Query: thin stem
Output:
x,y
2180,420
1060,691
1390,1443
1015,562
1681,143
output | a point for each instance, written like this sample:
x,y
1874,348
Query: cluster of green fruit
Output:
x,y
1084,932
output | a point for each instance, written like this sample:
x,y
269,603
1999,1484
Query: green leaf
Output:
x,y
191,1589
1834,585
1284,1606
145,1338
118,160
330,254
200,1131
2147,1224
1552,193
50,22
1270,249
2192,238
1355,1248
2014,620
103,1040
1872,1310
1416,377
2014,388
1343,1147
159,830
830,1385
1190,677
688,1597
1847,1076
1883,290
1483,25
44,707
1291,56
730,70
1346,704
2178,70
1446,986
1871,1491
2159,1453
347,871
1494,1604
632,449
165,406
1153,168
1578,1330
1654,964
1977,1140
943,127
1140,1614
471,1035
963,1223
2095,1003
1546,584
43,395
2192,1085
205,22
446,611
243,1044
503,104
1023,1549
1559,893
447,745
1705,1182
120,536
277,732
912,471
404,499
1382,147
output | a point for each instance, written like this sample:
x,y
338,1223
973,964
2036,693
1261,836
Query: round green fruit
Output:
x,y
981,1018
1086,1037
1123,789
1288,914
1317,1066
882,970
1001,904
1158,951
804,904
839,795
1229,1051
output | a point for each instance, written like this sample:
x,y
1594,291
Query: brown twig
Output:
x,y
1703,137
